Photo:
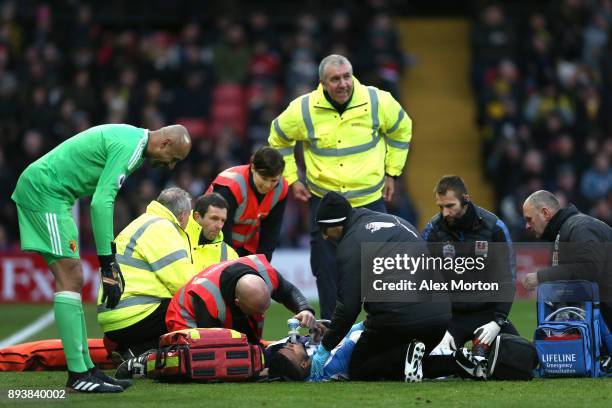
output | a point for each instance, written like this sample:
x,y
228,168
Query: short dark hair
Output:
x,y
204,201
281,368
268,162
452,183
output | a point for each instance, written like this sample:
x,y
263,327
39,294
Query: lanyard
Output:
x,y
555,254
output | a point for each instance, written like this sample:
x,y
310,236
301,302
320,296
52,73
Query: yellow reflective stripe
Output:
x,y
131,301
277,192
248,221
223,252
347,194
243,238
154,266
262,270
397,145
286,151
243,190
280,131
400,116
129,250
216,294
183,311
308,120
333,152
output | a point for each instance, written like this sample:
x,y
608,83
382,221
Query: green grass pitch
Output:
x,y
450,393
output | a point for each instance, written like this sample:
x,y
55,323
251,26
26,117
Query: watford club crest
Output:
x,y
73,245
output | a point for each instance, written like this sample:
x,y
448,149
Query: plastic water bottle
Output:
x,y
293,326
479,349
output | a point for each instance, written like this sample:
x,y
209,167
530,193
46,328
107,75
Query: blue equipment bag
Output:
x,y
567,338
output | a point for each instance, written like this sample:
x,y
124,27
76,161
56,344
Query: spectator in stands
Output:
x,y
37,51
493,39
231,57
564,74
596,182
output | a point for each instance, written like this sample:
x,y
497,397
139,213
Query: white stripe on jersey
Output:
x,y
51,235
57,234
138,151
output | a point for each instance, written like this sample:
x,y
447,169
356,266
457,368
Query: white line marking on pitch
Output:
x,y
39,324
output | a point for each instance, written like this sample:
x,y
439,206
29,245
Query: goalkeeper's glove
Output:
x,y
112,279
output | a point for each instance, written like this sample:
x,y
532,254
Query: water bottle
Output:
x,y
293,325
479,349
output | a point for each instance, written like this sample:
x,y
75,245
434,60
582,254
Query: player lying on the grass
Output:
x,y
292,361
287,360
278,355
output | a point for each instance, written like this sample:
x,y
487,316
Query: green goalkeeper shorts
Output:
x,y
52,234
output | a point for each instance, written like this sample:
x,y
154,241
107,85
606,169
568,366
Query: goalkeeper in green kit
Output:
x,y
94,163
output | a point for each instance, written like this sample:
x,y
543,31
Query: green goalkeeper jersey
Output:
x,y
93,162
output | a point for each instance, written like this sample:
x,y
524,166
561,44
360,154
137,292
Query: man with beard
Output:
x,y
463,225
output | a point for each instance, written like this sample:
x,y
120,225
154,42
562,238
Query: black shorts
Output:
x,y
143,335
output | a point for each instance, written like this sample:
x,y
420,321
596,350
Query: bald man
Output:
x,y
252,295
167,146
93,163
235,295
582,248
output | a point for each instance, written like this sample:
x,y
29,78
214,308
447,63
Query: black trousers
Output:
x,y
462,325
323,258
380,354
143,335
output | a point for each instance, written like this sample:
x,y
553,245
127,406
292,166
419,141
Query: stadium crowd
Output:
x,y
544,125
542,116
65,68
543,83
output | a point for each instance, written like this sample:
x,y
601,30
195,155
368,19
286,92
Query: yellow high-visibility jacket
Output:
x,y
348,153
154,255
207,254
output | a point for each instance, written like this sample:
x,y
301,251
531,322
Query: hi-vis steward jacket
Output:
x,y
153,252
207,286
207,254
217,295
248,215
349,152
